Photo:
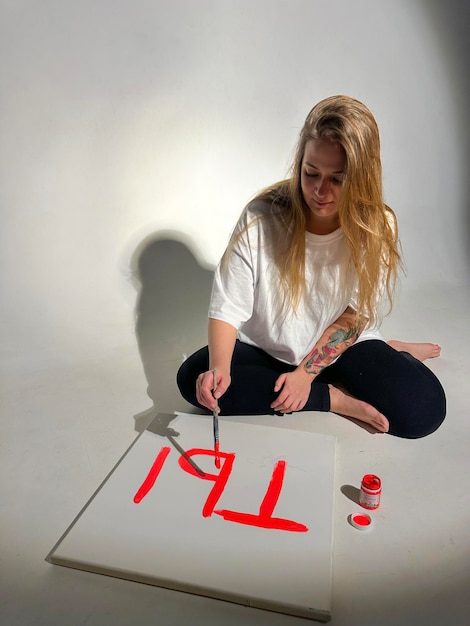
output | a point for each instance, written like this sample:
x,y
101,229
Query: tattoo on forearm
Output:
x,y
319,358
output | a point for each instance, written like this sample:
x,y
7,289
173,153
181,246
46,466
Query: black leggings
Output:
x,y
395,383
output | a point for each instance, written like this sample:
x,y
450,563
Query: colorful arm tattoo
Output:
x,y
322,356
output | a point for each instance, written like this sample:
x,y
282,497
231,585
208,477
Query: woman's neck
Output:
x,y
322,226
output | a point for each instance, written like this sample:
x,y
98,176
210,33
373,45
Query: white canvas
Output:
x,y
257,531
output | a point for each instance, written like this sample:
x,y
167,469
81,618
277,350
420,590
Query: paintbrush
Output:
x,y
215,422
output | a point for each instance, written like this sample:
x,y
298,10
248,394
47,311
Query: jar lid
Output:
x,y
371,481
361,521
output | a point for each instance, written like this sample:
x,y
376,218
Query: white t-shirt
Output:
x,y
247,293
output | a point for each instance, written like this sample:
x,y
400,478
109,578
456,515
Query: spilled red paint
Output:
x,y
263,519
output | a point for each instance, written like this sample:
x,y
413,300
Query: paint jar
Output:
x,y
371,489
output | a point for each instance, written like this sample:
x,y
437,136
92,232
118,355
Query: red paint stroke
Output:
x,y
152,475
220,479
264,519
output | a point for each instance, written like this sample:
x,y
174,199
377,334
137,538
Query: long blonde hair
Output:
x,y
367,222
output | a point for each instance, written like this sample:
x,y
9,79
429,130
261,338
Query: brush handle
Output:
x,y
215,423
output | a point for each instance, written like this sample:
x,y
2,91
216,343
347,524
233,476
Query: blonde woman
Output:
x,y
297,298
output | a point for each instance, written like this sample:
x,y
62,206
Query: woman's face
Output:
x,y
321,178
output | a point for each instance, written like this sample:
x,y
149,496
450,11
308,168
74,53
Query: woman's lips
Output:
x,y
320,203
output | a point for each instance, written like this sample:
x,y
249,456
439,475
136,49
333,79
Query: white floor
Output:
x,y
64,425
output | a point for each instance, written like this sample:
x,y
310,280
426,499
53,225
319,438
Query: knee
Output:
x,y
182,375
186,382
411,397
188,372
421,416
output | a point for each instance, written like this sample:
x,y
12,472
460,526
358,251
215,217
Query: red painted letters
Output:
x,y
220,480
263,519
152,475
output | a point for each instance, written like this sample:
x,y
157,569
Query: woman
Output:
x,y
296,299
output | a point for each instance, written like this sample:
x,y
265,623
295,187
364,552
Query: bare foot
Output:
x,y
420,351
348,406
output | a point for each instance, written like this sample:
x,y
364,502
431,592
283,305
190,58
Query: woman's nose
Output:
x,y
322,187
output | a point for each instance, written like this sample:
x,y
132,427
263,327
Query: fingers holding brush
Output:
x,y
204,384
210,388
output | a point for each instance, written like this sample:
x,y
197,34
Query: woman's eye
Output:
x,y
337,181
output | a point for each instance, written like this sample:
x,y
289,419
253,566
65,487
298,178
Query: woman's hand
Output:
x,y
205,392
294,390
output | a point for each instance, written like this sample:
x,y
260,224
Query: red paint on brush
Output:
x,y
217,456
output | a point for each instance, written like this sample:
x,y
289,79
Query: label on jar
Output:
x,y
368,500
371,488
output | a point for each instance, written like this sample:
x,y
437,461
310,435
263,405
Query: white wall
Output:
x,y
120,119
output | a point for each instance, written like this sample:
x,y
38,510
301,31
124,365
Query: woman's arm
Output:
x,y
295,386
222,338
334,341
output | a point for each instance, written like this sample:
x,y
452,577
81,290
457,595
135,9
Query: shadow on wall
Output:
x,y
450,20
171,315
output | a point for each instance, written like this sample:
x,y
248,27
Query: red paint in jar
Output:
x,y
371,490
361,521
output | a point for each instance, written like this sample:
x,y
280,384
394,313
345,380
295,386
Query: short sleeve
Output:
x,y
235,278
